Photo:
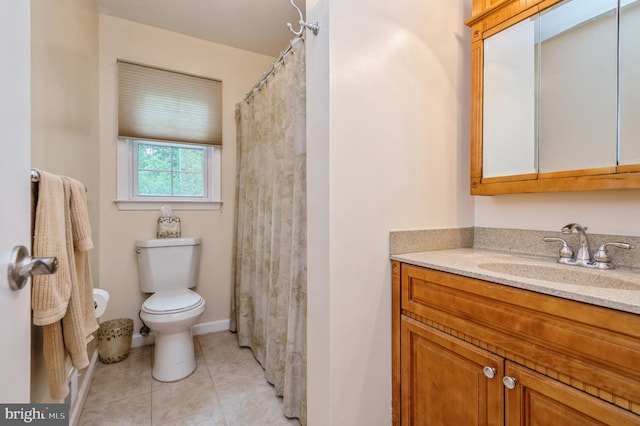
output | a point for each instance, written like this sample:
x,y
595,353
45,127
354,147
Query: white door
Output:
x,y
15,207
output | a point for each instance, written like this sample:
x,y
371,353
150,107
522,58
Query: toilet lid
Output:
x,y
172,301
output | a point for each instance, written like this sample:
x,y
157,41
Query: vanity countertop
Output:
x,y
600,287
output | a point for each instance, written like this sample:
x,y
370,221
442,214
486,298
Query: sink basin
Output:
x,y
564,274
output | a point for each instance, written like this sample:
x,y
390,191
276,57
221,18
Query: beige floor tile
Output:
x,y
113,387
139,358
232,360
196,346
229,356
228,387
201,372
197,398
134,410
212,416
262,408
220,346
243,379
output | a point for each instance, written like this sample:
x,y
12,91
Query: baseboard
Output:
x,y
78,403
210,327
138,340
202,328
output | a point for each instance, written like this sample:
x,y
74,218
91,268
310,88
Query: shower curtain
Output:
x,y
269,299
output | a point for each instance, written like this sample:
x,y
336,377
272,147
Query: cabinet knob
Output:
x,y
509,382
489,372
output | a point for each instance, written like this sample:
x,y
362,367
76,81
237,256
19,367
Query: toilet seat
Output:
x,y
172,302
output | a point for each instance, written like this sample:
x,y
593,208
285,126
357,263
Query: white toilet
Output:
x,y
168,268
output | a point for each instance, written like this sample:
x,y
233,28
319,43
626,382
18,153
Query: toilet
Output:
x,y
168,268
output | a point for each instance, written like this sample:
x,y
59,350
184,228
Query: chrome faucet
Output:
x,y
584,256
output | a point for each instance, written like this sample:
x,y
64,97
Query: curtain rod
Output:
x,y
256,87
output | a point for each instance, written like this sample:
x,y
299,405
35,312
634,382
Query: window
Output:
x,y
170,139
157,173
170,170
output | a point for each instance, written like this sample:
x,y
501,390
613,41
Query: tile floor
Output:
x,y
227,388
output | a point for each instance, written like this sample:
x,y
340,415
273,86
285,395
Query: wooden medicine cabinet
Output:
x,y
555,96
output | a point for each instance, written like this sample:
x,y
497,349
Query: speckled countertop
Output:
x,y
617,289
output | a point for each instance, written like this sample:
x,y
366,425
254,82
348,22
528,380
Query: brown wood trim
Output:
x,y
395,344
596,346
578,172
628,168
513,7
521,16
514,178
486,12
563,184
477,61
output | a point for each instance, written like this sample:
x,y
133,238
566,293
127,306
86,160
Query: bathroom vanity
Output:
x,y
476,346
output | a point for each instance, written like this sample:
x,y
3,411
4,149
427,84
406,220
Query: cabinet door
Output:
x,y
443,382
541,400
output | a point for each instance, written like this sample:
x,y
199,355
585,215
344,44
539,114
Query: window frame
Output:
x,y
127,179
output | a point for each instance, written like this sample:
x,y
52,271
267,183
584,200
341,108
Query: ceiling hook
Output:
x,y
313,27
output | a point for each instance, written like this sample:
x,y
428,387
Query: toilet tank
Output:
x,y
168,263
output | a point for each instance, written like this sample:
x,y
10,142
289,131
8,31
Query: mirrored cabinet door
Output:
x,y
578,85
629,82
509,133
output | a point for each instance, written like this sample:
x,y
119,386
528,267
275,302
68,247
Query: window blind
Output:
x,y
156,104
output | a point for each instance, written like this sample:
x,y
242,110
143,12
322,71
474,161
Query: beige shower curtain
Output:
x,y
269,301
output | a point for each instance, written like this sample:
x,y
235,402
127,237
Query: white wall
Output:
x,y
238,70
604,212
318,167
395,157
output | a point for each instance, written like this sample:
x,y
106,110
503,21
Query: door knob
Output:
x,y
22,266
489,372
509,382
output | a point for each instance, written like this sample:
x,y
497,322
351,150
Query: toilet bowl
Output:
x,y
168,268
170,315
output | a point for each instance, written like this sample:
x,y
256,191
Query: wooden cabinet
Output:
x,y
541,400
445,380
455,340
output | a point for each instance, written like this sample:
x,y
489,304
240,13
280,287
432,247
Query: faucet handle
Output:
x,y
565,250
601,254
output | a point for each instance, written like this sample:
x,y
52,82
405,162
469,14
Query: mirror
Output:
x,y
551,91
509,102
629,82
578,85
